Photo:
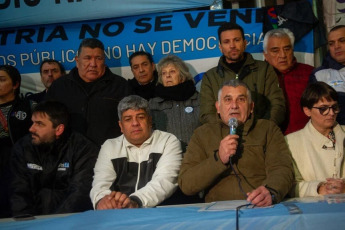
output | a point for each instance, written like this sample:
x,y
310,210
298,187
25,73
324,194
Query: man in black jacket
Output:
x,y
145,75
91,92
50,70
52,168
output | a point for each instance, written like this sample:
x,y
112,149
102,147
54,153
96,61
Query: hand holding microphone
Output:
x,y
228,146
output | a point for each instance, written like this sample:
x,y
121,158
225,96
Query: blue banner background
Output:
x,y
34,12
189,34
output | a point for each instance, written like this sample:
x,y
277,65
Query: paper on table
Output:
x,y
335,198
226,205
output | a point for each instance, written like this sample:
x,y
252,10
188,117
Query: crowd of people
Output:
x,y
94,140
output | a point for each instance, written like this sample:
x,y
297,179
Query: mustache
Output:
x,y
34,134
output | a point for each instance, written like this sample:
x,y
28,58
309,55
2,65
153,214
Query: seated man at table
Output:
x,y
253,164
318,149
139,168
52,167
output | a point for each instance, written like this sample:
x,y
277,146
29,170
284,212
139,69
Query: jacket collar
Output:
x,y
248,66
242,130
329,62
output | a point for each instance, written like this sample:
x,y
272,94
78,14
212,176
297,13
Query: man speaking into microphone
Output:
x,y
254,164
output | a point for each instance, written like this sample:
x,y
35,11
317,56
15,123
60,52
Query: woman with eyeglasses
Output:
x,y
318,149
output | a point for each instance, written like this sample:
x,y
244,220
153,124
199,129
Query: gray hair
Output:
x,y
278,33
235,83
134,102
178,63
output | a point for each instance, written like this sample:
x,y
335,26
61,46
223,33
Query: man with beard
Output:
x,y
52,168
237,64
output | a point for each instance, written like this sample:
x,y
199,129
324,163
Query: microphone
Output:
x,y
233,125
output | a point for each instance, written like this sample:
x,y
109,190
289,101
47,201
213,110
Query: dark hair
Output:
x,y
14,75
134,102
140,53
57,112
50,61
229,26
337,28
90,43
315,92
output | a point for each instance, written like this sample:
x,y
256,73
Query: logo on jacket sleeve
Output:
x,y
63,166
20,115
34,166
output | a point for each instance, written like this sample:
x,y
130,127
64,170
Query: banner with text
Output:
x,y
34,12
192,35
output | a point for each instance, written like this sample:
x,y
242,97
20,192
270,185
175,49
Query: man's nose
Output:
x,y
32,129
336,44
135,122
93,62
234,104
282,53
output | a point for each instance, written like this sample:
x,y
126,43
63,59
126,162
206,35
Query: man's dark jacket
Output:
x,y
54,178
93,113
145,91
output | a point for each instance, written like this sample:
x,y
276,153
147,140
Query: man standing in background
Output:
x,y
145,74
237,64
293,76
332,70
50,70
91,92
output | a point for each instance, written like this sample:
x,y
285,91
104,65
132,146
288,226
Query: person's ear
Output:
x,y
76,58
59,130
120,124
307,111
220,47
15,86
251,107
217,106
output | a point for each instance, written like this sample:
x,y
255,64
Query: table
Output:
x,y
316,214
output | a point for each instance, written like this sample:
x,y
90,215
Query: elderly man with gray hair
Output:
x,y
250,164
293,76
138,168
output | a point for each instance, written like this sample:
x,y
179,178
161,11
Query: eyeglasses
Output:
x,y
324,110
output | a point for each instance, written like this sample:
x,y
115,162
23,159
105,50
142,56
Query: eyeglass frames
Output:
x,y
324,110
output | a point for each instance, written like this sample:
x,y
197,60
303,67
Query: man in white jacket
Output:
x,y
139,168
318,148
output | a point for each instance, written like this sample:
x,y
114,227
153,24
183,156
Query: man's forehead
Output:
x,y
89,50
140,58
40,116
339,33
231,33
49,65
234,91
134,112
278,41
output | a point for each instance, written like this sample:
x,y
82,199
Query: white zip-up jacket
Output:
x,y
147,174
